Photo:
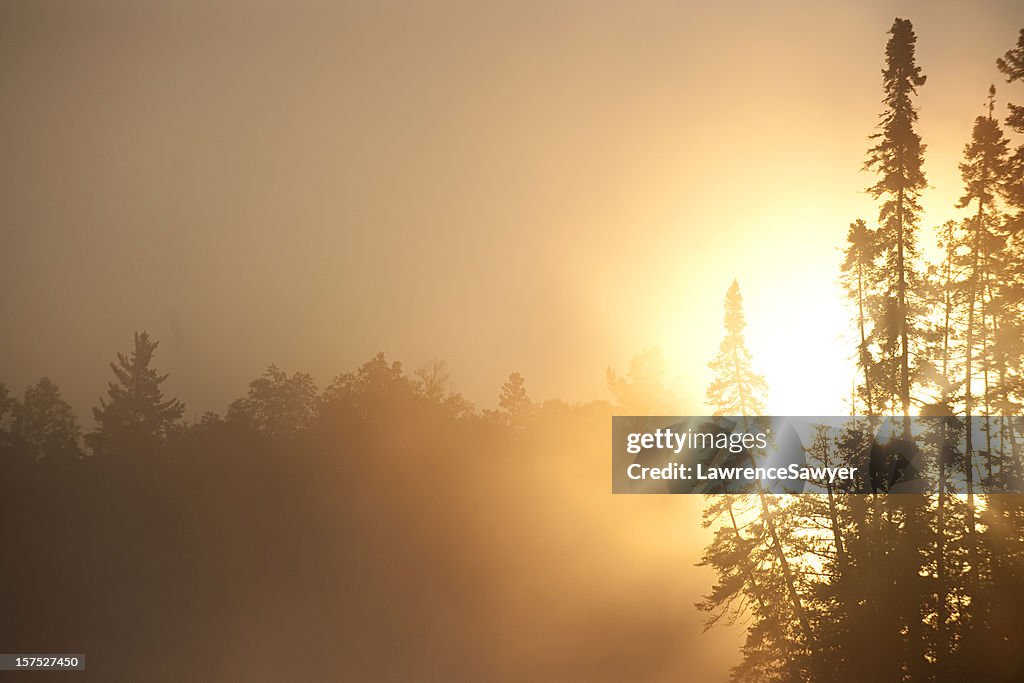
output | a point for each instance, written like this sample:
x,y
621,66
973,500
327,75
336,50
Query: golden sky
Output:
x,y
543,187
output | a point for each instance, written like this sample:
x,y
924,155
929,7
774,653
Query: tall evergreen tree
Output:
x,y
1009,340
1011,65
134,418
736,389
897,157
982,171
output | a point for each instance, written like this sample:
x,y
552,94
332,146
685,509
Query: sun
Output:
x,y
801,338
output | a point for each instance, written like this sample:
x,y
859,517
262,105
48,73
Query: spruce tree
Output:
x,y
736,389
897,157
982,171
1009,340
513,401
1011,65
134,418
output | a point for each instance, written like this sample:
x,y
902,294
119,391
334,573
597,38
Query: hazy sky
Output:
x,y
547,187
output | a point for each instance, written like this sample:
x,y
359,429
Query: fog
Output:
x,y
547,188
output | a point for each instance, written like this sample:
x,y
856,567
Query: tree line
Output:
x,y
134,417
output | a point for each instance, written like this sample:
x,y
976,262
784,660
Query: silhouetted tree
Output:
x,y
134,418
982,170
1008,343
277,405
736,389
432,380
1011,65
897,158
433,384
514,404
44,423
377,390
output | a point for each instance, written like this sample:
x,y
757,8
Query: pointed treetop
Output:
x,y
899,56
134,417
736,389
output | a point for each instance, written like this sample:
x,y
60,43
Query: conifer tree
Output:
x,y
897,158
982,170
1011,65
515,405
134,417
736,389
1009,339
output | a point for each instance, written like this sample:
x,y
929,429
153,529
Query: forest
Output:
x,y
909,587
349,519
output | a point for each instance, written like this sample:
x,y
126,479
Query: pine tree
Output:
x,y
897,158
134,418
1011,65
736,388
515,405
1008,344
982,170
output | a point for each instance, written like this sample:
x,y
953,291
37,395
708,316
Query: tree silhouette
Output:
x,y
44,423
736,388
277,405
433,384
982,170
1011,65
378,388
897,158
515,406
134,418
